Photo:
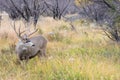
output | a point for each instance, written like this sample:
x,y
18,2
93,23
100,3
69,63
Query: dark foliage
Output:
x,y
23,9
58,8
104,12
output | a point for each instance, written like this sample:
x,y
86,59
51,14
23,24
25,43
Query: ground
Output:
x,y
83,55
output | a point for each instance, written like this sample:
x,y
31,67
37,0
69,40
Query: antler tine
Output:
x,y
19,31
33,32
15,30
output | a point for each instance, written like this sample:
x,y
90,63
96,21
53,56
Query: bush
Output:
x,y
55,36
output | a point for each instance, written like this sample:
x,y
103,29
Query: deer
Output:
x,y
28,47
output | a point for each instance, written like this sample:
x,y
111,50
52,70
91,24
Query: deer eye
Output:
x,y
27,41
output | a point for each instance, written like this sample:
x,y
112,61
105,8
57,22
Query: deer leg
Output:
x,y
43,52
27,58
39,54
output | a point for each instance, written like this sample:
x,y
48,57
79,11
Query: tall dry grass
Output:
x,y
85,55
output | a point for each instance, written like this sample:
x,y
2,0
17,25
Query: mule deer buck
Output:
x,y
27,47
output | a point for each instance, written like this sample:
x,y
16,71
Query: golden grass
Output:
x,y
85,55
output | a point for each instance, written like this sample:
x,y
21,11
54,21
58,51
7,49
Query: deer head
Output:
x,y
23,37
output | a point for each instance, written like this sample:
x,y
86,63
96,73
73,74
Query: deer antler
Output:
x,y
33,32
19,33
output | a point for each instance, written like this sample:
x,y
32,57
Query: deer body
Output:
x,y
31,47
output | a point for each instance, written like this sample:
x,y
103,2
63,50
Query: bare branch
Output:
x,y
32,32
21,13
65,8
108,35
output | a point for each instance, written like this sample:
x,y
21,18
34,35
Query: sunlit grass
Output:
x,y
85,55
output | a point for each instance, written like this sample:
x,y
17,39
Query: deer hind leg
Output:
x,y
39,54
42,53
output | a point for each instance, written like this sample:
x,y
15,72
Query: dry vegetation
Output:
x,y
85,55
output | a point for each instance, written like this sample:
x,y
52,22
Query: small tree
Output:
x,y
57,7
104,12
24,9
113,19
